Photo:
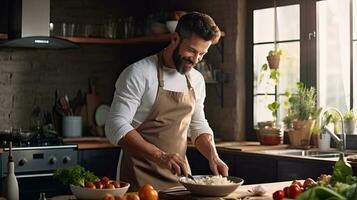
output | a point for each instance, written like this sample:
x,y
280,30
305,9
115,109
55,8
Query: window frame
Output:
x,y
308,48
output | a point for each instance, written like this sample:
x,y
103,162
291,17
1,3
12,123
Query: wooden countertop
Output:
x,y
248,146
241,192
102,142
89,142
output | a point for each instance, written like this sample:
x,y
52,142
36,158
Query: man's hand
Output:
x,y
136,145
205,145
173,162
218,167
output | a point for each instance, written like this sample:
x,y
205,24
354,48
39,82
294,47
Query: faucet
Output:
x,y
340,141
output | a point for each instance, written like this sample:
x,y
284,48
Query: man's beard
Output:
x,y
180,62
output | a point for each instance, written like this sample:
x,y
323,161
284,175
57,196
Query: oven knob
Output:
x,y
66,159
22,161
53,160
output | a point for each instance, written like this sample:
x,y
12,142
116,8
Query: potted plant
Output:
x,y
274,58
270,133
271,69
302,112
349,121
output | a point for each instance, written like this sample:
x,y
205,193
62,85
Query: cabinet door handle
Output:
x,y
33,175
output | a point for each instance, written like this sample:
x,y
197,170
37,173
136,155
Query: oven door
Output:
x,y
31,185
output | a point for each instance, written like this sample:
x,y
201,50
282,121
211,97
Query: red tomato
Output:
x,y
297,183
308,182
147,192
90,185
109,186
116,184
105,180
278,195
294,190
287,191
98,185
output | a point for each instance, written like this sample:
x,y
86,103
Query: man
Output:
x,y
157,101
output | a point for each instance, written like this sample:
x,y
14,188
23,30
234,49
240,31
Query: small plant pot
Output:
x,y
262,125
350,126
270,136
300,136
273,61
324,141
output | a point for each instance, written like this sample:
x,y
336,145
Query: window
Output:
x,y
285,35
319,43
333,53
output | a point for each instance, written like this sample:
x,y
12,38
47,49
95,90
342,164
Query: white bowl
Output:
x,y
95,194
211,190
171,25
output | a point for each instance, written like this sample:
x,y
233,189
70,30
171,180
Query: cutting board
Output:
x,y
240,192
93,101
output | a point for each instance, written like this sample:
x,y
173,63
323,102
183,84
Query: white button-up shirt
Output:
x,y
136,90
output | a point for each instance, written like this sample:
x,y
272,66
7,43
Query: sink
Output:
x,y
309,153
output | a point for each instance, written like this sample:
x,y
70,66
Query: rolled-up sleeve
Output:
x,y
129,89
199,123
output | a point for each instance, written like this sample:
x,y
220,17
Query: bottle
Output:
x,y
11,185
42,196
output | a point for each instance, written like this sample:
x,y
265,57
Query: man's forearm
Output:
x,y
137,146
204,143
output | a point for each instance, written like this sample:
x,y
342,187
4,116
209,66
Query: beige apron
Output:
x,y
166,127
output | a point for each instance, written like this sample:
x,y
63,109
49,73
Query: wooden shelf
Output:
x,y
135,40
3,36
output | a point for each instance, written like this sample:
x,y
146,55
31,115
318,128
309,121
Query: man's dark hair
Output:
x,y
199,24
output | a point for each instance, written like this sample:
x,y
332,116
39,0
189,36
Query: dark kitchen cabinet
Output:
x,y
200,166
255,168
3,18
103,162
198,163
302,169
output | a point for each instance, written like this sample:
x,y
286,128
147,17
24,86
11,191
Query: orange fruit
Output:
x,y
119,198
108,197
132,197
147,192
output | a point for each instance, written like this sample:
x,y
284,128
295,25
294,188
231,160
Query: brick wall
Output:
x,y
29,77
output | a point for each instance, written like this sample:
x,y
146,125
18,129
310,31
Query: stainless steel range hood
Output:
x,y
29,26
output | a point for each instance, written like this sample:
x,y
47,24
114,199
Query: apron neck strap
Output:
x,y
160,66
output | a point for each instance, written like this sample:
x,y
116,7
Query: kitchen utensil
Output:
x,y
77,102
218,190
68,105
191,177
93,102
65,105
101,114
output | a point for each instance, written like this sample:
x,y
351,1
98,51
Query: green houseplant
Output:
x,y
271,69
349,121
302,112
